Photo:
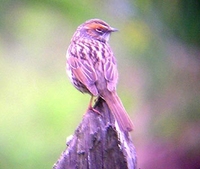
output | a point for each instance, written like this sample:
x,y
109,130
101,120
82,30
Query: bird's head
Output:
x,y
96,29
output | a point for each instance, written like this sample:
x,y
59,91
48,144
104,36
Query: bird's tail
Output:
x,y
118,110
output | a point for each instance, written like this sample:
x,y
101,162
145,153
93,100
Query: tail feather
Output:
x,y
118,110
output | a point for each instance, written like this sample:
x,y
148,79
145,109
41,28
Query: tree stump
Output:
x,y
98,143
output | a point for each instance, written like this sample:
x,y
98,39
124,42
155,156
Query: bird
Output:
x,y
92,67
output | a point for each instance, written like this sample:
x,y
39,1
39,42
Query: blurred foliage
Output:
x,y
158,45
180,16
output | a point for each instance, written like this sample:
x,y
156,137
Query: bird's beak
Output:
x,y
113,29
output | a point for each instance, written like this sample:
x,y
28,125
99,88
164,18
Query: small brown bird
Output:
x,y
92,67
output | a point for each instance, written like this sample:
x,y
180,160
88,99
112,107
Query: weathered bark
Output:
x,y
98,143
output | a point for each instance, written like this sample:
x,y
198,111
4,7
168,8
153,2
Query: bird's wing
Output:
x,y
111,73
84,72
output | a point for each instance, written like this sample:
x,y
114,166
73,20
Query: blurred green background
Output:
x,y
158,54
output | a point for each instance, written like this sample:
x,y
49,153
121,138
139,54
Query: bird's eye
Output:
x,y
99,30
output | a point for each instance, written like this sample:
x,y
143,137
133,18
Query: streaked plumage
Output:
x,y
92,67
